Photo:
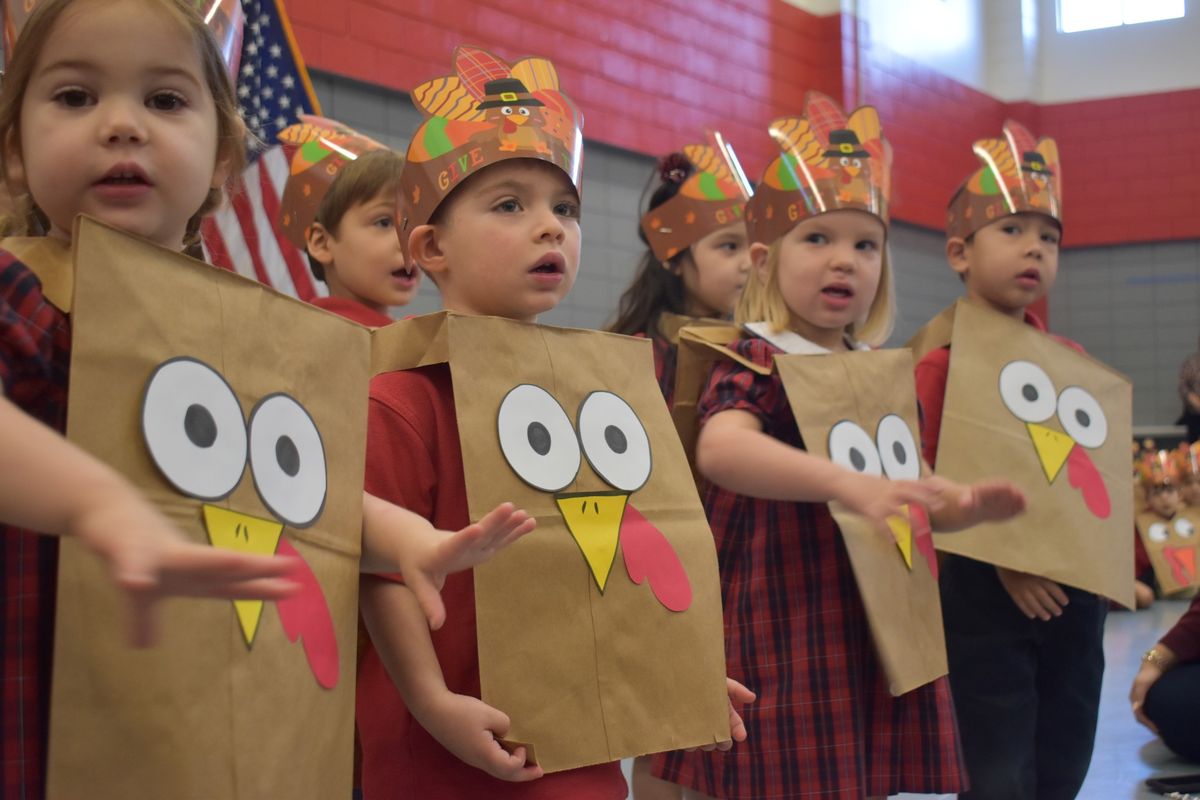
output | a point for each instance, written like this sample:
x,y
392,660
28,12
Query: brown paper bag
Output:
x,y
203,714
590,666
699,348
859,409
1022,406
933,334
1171,545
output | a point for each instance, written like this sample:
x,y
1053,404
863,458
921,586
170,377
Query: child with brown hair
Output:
x,y
339,205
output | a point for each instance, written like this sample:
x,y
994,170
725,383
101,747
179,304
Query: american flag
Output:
x,y
272,89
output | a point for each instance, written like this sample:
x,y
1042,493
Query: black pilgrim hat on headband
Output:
x,y
845,143
506,92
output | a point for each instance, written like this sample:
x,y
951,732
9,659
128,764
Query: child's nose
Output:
x,y
550,226
122,122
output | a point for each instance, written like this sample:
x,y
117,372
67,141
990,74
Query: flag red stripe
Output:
x,y
218,253
245,216
296,264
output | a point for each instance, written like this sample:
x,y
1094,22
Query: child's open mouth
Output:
x,y
123,182
550,269
837,296
406,276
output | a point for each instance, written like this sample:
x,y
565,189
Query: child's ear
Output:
x,y
225,155
14,165
426,251
958,256
320,242
758,261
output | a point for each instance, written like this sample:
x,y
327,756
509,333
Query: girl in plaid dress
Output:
x,y
824,724
695,266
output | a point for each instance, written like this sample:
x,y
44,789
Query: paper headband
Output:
x,y
828,162
713,196
323,147
1161,468
487,112
1019,173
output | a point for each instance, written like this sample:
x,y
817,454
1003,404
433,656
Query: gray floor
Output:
x,y
1126,753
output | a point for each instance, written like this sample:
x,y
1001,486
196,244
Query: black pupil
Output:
x,y
1029,392
199,425
900,453
1082,418
615,438
539,438
287,455
857,460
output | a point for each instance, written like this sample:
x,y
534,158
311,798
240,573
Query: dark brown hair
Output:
x,y
357,182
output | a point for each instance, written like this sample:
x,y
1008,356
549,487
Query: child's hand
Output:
x,y
426,555
984,501
469,728
738,696
880,498
1037,597
149,558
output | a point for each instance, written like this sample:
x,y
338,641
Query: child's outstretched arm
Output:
x,y
398,540
52,486
734,453
983,501
464,725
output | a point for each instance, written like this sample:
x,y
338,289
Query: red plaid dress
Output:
x,y
796,633
35,343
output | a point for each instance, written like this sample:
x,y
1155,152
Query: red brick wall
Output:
x,y
651,75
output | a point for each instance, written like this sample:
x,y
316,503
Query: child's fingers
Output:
x,y
1057,593
738,693
511,766
428,598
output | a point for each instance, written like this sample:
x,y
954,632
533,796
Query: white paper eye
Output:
x,y
614,441
851,447
1082,417
287,460
1185,528
537,439
193,426
898,449
1027,391
1157,532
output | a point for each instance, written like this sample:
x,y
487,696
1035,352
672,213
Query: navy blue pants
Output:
x,y
1173,705
1027,692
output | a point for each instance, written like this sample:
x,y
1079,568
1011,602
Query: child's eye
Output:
x,y
816,238
508,206
1050,238
166,101
867,245
567,209
1011,229
729,247
384,222
73,98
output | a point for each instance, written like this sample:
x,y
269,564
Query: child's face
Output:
x,y
118,122
1010,263
366,263
716,272
1163,501
829,268
1190,490
508,244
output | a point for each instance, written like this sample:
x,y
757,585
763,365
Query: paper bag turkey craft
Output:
x,y
600,634
1058,424
241,414
1166,525
859,410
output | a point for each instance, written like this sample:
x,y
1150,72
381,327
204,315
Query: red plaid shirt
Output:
x,y
35,344
824,724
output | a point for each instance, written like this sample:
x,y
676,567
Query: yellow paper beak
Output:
x,y
1052,448
594,521
902,530
232,530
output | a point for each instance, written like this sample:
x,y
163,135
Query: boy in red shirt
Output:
x,y
339,205
1025,653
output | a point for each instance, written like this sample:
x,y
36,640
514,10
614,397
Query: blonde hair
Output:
x,y
762,301
28,219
